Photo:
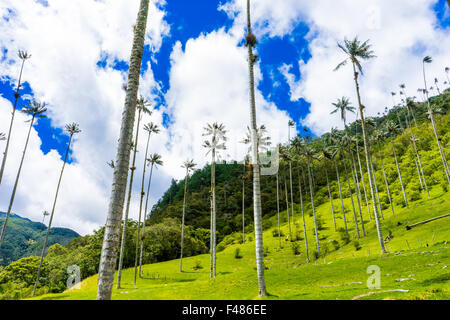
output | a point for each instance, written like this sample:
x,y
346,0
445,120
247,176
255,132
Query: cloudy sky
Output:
x,y
194,72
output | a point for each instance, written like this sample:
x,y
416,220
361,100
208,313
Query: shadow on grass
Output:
x,y
439,279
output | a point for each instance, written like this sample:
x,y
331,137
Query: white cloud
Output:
x,y
66,40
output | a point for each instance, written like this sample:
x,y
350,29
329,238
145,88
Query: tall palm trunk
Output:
x,y
51,217
143,226
358,193
115,211
13,195
362,181
376,188
351,197
313,207
287,208
367,152
340,195
243,208
399,173
213,216
182,219
303,216
386,181
127,210
292,195
256,171
138,231
278,213
331,198
16,98
418,162
430,112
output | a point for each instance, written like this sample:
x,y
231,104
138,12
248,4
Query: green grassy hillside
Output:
x,y
418,261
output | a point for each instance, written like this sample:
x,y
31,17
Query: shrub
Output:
x,y
295,248
356,245
335,244
266,251
315,255
237,253
275,233
344,236
197,265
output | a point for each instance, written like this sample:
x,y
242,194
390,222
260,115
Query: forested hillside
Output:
x,y
25,238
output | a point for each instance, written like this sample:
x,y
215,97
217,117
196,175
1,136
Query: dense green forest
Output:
x,y
25,238
163,231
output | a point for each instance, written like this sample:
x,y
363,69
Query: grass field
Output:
x,y
418,261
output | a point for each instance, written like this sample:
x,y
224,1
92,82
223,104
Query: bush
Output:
x,y
315,255
197,265
335,245
344,236
444,186
237,254
295,248
266,251
275,233
356,245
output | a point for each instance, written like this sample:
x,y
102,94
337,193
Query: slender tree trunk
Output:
x,y
16,98
363,183
278,213
127,210
430,112
351,198
13,195
376,187
313,208
331,199
358,194
115,211
243,208
292,195
138,231
51,216
386,181
182,219
399,173
213,215
145,215
287,209
340,195
303,217
367,152
256,172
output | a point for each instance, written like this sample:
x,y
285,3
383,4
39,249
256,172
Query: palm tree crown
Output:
x,y
2,136
72,128
189,165
35,109
355,50
343,105
155,159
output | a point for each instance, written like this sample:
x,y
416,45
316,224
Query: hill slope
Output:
x,y
20,230
419,262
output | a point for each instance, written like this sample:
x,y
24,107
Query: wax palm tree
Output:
x,y
36,110
354,140
436,81
150,128
332,139
410,105
357,51
428,60
379,136
189,165
2,136
71,129
24,56
327,155
392,129
278,204
263,142
297,145
115,211
291,124
245,176
142,106
447,71
217,132
310,155
343,106
285,156
250,44
44,214
155,161
342,145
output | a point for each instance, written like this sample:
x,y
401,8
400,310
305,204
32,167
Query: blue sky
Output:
x,y
194,72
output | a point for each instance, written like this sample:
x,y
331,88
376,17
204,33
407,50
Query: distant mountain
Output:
x,y
22,238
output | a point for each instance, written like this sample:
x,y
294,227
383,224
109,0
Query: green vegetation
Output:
x,y
21,238
420,255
